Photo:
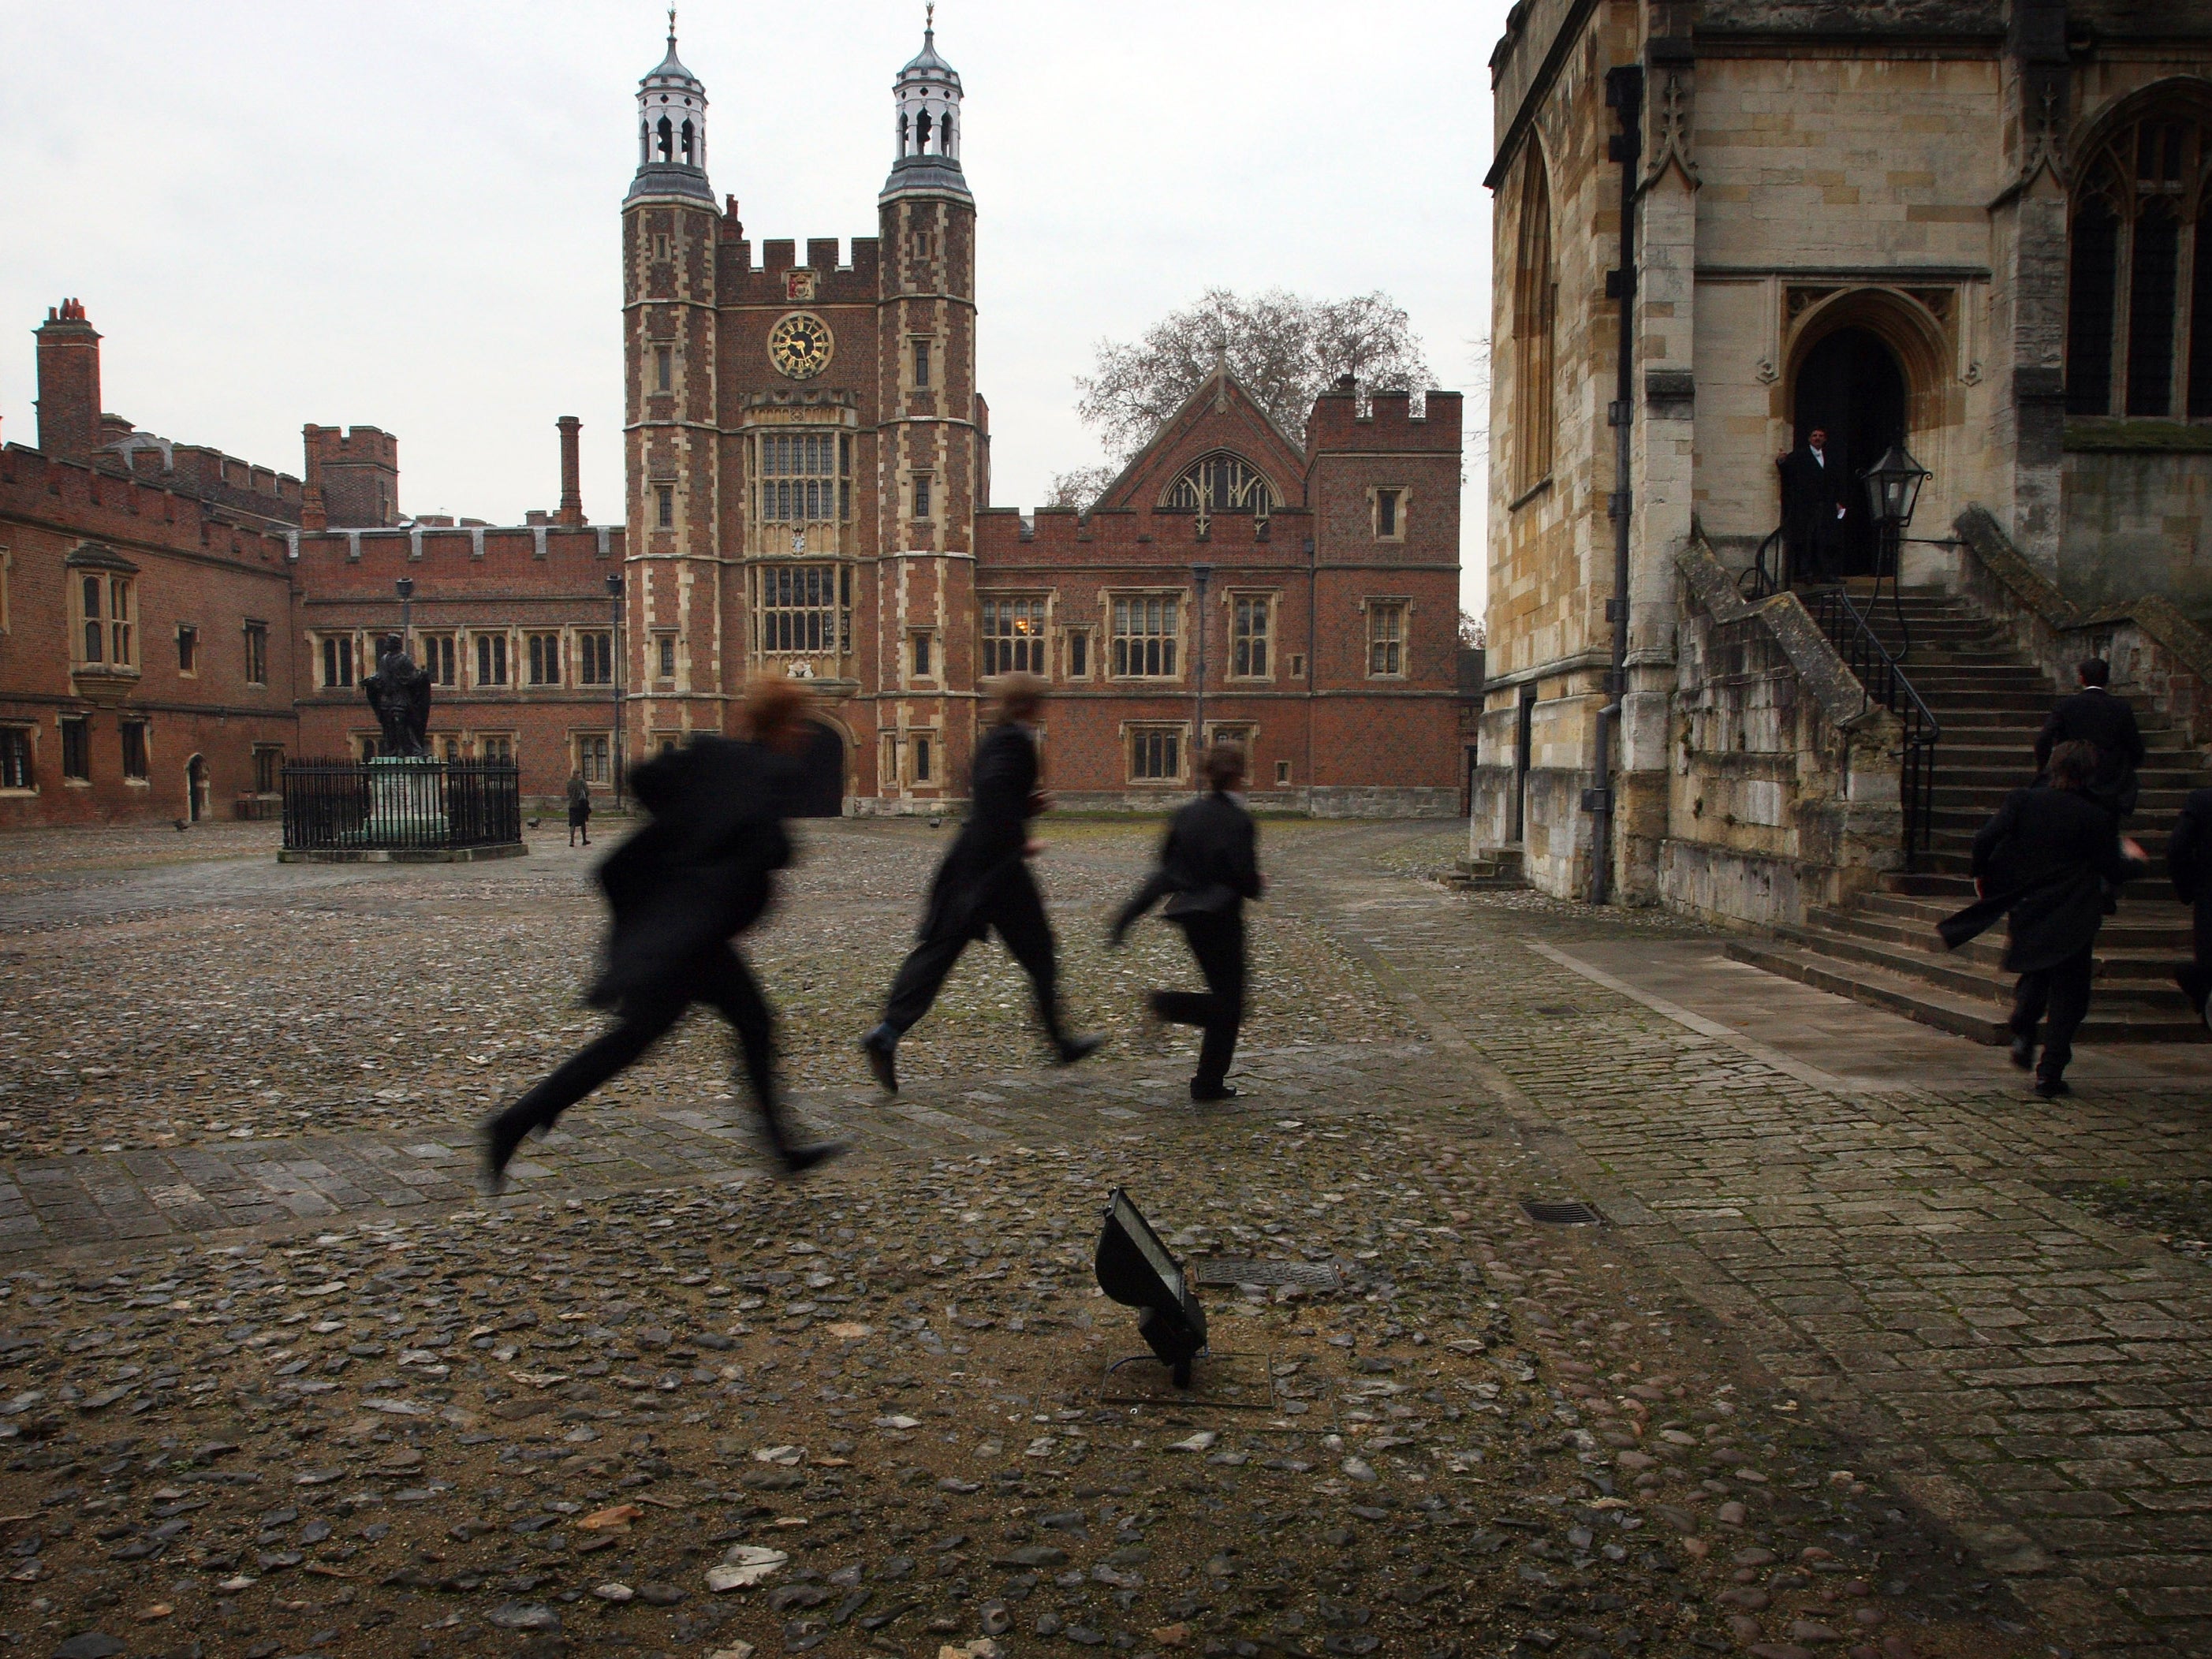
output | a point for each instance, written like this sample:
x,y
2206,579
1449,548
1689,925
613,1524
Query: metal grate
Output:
x,y
1231,1270
1557,1011
1555,1213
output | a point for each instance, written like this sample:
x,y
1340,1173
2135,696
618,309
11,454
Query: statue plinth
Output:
x,y
406,805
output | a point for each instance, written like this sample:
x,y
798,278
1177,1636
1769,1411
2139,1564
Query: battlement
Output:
x,y
364,446
1389,423
770,282
96,501
1137,536
465,560
215,477
353,476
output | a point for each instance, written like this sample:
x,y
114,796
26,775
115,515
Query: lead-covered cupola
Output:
x,y
929,123
671,129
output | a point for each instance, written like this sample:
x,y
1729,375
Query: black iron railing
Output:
x,y
396,805
1852,634
1764,578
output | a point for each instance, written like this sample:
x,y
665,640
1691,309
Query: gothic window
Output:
x,y
799,476
1155,753
1536,296
1223,481
595,658
491,659
1013,635
2139,300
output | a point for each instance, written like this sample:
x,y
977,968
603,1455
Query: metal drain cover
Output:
x,y
1562,1213
1557,1011
1231,1270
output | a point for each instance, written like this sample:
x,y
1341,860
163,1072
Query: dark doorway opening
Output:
x,y
822,776
1853,386
1523,730
196,786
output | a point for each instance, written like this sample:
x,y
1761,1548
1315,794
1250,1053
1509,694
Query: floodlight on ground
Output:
x,y
1136,1270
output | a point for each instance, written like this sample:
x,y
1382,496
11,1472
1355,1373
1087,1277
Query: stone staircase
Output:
x,y
1882,949
1491,871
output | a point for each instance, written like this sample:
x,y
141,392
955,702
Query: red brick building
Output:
x,y
808,465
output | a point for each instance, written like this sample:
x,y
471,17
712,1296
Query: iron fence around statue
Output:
x,y
400,806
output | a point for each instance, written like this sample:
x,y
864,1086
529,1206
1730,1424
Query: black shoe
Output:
x,y
798,1160
496,1139
2023,1051
1074,1048
2052,1087
1208,1092
881,1047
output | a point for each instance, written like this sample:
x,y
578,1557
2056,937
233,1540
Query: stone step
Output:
x,y
1980,1018
2136,950
1962,973
1494,869
2143,906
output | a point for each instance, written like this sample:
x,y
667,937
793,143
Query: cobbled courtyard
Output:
x,y
1865,1351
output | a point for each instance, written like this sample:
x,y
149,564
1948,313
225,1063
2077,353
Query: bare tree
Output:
x,y
1284,348
1471,630
1478,406
1080,488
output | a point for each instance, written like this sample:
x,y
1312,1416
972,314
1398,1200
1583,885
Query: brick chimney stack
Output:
x,y
314,514
69,383
572,489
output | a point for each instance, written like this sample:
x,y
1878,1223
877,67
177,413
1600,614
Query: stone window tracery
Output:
x,y
1536,297
1223,481
2139,272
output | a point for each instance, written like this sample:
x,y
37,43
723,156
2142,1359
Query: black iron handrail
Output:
x,y
1852,634
401,805
1762,580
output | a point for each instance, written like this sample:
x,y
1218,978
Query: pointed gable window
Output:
x,y
1223,481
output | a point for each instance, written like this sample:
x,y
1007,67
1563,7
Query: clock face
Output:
x,y
800,345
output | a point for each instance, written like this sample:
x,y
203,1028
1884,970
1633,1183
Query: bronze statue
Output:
x,y
399,692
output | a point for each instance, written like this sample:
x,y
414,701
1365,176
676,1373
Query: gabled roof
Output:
x,y
1219,415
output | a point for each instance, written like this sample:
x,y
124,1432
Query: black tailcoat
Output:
x,y
702,871
986,857
2188,861
1209,863
2046,859
2099,717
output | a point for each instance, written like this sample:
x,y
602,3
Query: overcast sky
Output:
x,y
406,214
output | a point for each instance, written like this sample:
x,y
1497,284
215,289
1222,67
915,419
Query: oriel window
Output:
x,y
800,472
799,610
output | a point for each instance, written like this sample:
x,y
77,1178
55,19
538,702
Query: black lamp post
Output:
x,y
615,655
406,586
1892,485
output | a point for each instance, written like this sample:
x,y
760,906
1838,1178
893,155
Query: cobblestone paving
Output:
x,y
1842,1372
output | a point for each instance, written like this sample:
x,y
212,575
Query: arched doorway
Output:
x,y
196,786
1853,386
821,770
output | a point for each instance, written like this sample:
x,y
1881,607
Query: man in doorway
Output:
x,y
2094,715
984,886
1815,500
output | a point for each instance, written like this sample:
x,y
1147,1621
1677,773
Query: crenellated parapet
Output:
x,y
94,501
1387,424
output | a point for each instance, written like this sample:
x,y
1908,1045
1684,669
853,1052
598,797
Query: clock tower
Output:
x,y
933,455
676,653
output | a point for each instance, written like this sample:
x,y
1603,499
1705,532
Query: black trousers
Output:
x,y
2059,994
2195,977
1017,915
718,977
1217,942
